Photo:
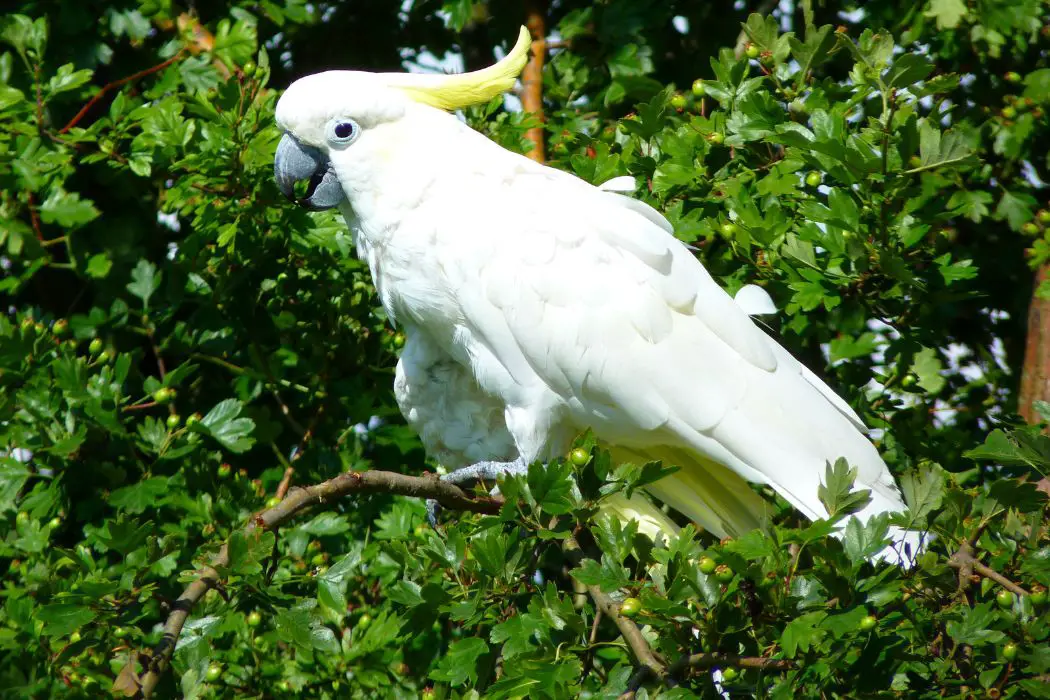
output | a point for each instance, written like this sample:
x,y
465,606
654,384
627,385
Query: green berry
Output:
x,y
173,421
814,178
319,559
909,380
630,607
730,674
74,638
163,395
1008,112
213,672
678,101
60,327
193,419
867,623
752,51
729,229
1038,596
1013,77
55,522
120,632
249,68
579,456
254,618
723,573
224,471
1010,651
716,137
314,546
699,90
273,502
106,355
707,565
1030,229
22,517
364,621
1044,216
915,161
1005,599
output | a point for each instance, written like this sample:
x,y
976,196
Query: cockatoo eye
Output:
x,y
342,132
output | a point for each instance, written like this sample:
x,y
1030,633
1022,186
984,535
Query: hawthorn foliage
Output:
x,y
179,344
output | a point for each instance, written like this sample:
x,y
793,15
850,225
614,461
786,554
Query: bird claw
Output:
x,y
433,510
472,474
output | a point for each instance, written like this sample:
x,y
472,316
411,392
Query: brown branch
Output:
x,y
532,76
298,500
1035,373
34,218
717,659
643,653
968,566
116,84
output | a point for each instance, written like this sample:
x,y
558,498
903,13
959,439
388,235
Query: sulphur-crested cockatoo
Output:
x,y
535,306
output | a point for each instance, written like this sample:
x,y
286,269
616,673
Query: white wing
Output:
x,y
588,293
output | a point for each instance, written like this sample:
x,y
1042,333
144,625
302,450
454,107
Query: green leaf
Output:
x,y
248,550
13,476
908,69
836,493
923,490
927,367
608,575
863,540
67,79
145,280
551,485
973,626
67,209
460,663
137,498
222,424
802,633
948,13
62,619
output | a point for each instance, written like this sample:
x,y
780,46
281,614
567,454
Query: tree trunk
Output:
x,y
532,76
1035,376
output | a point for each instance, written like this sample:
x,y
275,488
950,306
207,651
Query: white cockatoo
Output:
x,y
536,306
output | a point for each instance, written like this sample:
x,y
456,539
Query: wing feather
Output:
x,y
639,343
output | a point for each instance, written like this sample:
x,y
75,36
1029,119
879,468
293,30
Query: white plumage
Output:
x,y
536,305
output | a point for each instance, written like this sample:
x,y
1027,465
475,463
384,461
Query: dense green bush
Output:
x,y
180,344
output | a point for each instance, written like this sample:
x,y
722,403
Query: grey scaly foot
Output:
x,y
473,473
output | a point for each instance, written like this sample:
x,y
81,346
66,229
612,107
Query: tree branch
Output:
x,y
717,659
1035,373
116,84
532,76
967,564
643,653
297,501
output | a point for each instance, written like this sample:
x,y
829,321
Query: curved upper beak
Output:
x,y
295,163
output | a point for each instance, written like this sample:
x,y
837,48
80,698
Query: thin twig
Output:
x,y
298,500
114,85
289,469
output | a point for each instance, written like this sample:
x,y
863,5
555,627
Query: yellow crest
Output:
x,y
450,92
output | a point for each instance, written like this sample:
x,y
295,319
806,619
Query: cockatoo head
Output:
x,y
333,118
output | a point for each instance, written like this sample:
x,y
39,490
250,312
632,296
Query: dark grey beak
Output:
x,y
296,163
